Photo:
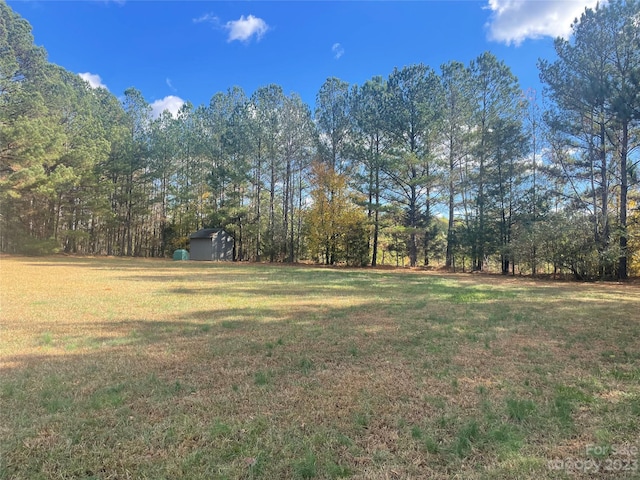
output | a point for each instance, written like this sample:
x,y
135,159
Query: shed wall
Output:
x,y
222,245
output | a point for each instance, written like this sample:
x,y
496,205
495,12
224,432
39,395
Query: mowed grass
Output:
x,y
121,368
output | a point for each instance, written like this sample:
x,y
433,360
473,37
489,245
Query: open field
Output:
x,y
120,368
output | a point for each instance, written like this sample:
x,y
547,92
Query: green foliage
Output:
x,y
333,110
594,83
83,172
54,141
36,247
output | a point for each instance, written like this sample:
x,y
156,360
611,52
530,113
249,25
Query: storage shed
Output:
x,y
211,244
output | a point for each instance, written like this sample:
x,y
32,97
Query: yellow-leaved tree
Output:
x,y
337,228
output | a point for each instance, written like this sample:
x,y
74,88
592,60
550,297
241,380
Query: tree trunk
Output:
x,y
450,224
622,265
376,222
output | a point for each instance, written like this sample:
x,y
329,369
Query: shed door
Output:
x,y
200,249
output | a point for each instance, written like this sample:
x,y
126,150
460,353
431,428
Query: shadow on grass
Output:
x,y
229,326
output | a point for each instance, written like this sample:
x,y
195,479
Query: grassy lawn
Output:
x,y
120,368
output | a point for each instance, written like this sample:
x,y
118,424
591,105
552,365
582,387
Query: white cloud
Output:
x,y
242,29
514,21
170,103
93,80
338,51
245,28
170,84
207,17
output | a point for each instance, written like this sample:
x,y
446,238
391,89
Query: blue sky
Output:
x,y
177,51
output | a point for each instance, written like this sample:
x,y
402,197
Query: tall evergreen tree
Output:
x,y
594,85
164,150
370,109
333,119
299,141
457,129
414,97
28,135
496,100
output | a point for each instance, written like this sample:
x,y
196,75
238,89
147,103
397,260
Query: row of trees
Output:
x,y
458,165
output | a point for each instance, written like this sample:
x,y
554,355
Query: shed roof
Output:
x,y
206,233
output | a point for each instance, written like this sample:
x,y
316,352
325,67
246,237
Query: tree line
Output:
x,y
456,166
